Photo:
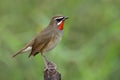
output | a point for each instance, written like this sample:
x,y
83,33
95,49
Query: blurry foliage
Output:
x,y
90,49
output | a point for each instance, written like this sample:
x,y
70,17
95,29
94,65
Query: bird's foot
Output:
x,y
50,66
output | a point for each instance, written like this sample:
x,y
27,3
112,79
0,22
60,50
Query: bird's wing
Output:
x,y
41,41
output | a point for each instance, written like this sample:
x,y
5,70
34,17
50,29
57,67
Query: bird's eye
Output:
x,y
59,19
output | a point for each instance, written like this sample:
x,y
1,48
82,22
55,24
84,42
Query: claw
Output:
x,y
48,64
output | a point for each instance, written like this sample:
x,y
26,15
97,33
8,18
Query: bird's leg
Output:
x,y
46,61
48,64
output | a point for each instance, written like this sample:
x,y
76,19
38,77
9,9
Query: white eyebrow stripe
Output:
x,y
58,17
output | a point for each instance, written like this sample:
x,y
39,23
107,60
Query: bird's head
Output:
x,y
58,21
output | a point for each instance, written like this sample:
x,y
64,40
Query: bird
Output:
x,y
47,39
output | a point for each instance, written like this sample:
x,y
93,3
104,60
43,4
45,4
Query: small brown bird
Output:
x,y
46,39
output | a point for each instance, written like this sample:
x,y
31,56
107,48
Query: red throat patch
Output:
x,y
61,26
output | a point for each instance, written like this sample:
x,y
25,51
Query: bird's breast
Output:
x,y
53,43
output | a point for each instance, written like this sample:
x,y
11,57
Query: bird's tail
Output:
x,y
26,48
17,53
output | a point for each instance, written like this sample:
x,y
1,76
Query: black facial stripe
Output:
x,y
59,19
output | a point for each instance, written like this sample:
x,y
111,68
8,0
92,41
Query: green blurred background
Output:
x,y
89,50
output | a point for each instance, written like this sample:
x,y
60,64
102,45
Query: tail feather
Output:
x,y
26,48
33,54
17,53
23,50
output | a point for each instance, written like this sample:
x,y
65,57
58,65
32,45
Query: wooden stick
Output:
x,y
51,73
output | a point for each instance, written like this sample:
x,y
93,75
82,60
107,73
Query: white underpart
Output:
x,y
27,49
59,23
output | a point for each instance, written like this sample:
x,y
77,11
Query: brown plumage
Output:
x,y
46,39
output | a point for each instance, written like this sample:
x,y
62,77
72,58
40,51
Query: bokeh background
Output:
x,y
89,50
